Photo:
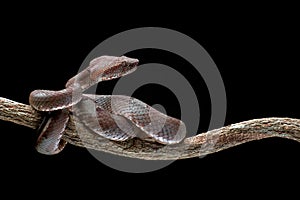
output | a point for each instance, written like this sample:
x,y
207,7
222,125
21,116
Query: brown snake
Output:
x,y
114,117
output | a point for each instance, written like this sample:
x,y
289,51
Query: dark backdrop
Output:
x,y
257,58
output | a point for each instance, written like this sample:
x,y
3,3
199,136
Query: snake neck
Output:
x,y
48,100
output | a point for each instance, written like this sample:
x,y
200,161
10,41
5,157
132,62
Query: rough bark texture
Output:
x,y
199,145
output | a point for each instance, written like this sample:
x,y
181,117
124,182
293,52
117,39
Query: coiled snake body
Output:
x,y
114,117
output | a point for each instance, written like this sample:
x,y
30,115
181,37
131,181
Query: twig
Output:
x,y
201,144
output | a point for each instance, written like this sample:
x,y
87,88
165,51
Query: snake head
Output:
x,y
110,67
104,68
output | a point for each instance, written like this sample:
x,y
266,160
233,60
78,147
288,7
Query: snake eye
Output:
x,y
130,61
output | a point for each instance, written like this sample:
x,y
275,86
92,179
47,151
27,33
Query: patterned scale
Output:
x,y
48,100
121,117
102,122
53,129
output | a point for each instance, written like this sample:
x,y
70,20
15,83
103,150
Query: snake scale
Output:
x,y
115,117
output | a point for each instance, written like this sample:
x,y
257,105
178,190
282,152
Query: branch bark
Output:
x,y
202,144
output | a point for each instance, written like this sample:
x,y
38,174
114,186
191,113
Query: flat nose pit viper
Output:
x,y
115,117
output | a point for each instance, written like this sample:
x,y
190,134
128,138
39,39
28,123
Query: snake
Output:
x,y
113,117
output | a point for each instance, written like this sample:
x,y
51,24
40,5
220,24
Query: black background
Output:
x,y
256,53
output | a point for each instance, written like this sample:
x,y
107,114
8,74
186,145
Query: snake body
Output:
x,y
113,117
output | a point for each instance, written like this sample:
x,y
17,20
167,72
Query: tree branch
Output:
x,y
199,145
